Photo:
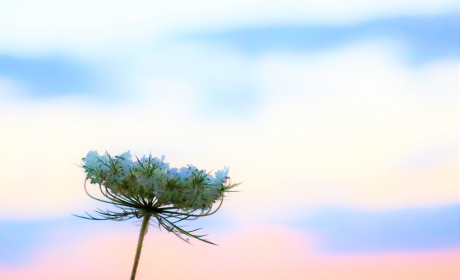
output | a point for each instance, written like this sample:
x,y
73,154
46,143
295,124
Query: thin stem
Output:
x,y
145,225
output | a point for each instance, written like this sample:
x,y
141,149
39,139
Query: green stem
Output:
x,y
145,225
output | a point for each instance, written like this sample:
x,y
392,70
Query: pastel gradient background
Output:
x,y
339,117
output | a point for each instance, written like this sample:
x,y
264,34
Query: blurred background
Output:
x,y
339,117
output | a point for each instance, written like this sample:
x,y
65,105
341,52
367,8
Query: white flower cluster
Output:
x,y
187,188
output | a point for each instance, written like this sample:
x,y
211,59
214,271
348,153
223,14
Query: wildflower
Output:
x,y
149,189
221,176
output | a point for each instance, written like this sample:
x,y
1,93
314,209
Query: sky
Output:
x,y
339,118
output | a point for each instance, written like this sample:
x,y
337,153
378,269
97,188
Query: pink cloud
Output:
x,y
257,253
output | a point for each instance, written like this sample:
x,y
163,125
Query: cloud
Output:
x,y
85,27
258,252
219,68
20,240
341,230
332,127
332,230
423,38
46,77
219,82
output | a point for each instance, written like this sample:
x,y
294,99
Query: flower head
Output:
x,y
149,186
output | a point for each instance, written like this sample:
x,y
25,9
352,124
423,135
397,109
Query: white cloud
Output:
x,y
349,117
334,127
85,27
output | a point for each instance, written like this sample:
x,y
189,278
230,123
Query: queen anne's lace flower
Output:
x,y
221,177
149,186
150,189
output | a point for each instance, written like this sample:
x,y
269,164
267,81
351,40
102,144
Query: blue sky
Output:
x,y
421,40
339,229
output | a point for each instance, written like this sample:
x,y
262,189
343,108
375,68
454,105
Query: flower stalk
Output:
x,y
144,229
